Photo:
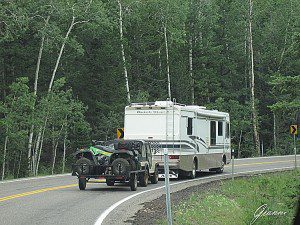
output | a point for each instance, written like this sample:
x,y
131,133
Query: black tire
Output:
x,y
154,177
132,164
82,183
84,166
220,169
133,182
110,182
120,166
144,178
192,174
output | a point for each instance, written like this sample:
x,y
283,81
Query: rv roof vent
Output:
x,y
163,103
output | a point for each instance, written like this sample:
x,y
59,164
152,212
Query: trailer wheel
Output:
x,y
110,182
133,182
144,178
154,177
82,183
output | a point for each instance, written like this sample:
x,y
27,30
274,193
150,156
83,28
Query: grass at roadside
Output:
x,y
236,202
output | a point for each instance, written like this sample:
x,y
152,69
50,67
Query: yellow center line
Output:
x,y
261,163
35,192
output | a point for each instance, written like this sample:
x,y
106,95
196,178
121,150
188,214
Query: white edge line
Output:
x,y
266,157
102,217
34,178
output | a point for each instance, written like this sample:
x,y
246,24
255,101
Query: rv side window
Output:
x,y
213,133
220,128
227,134
190,126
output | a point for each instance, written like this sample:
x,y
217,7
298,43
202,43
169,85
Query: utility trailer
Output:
x,y
128,162
196,138
130,177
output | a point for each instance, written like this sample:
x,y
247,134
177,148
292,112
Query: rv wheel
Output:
x,y
220,169
193,172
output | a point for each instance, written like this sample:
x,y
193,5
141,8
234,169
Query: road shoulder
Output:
x,y
133,210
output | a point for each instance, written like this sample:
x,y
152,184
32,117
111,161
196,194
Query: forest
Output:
x,y
69,67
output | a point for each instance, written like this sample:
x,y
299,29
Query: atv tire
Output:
x,y
132,164
120,166
83,167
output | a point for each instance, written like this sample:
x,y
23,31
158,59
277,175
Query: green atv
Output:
x,y
123,161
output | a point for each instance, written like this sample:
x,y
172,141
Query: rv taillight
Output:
x,y
173,156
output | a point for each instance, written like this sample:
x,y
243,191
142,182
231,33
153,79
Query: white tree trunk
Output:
x,y
73,23
64,154
29,154
167,61
4,158
191,69
39,145
253,105
56,145
37,71
123,52
36,150
54,157
247,56
60,53
160,66
31,163
42,130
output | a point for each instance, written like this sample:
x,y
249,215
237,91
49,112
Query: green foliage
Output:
x,y
286,92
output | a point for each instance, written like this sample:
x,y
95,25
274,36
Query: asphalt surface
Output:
x,y
57,199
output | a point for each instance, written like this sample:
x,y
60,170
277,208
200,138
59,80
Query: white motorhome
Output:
x,y
196,138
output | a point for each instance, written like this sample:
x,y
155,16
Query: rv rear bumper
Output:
x,y
172,165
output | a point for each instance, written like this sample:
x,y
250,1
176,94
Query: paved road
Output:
x,y
57,200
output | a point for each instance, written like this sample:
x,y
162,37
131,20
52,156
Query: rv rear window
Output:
x,y
190,126
220,128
